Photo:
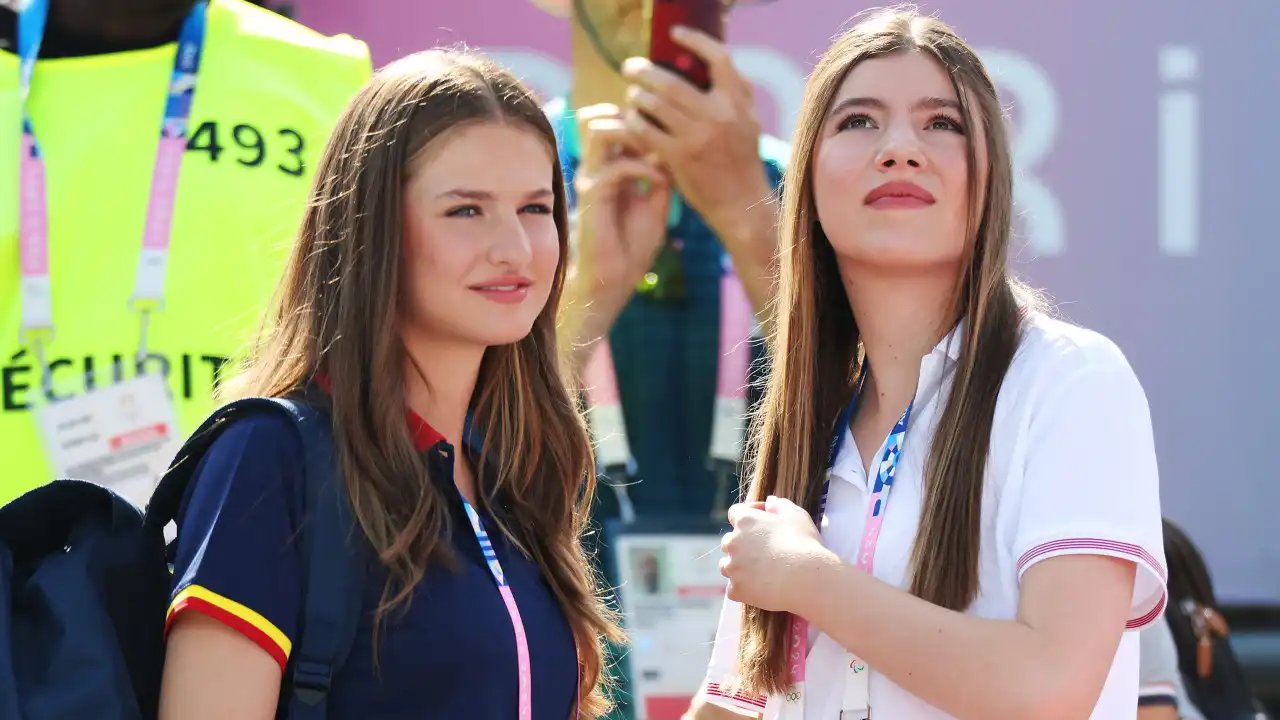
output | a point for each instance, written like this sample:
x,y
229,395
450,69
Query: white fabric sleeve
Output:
x,y
1157,665
722,671
1089,484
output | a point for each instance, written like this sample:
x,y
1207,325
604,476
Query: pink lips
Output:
x,y
509,290
898,194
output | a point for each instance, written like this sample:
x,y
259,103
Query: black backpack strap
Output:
x,y
335,557
337,565
166,499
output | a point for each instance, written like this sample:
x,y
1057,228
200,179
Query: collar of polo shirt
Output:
x,y
426,437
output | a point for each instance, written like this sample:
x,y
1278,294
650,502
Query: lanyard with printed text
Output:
x,y
604,402
855,702
33,229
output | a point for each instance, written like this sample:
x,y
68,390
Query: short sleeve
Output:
x,y
1157,665
722,672
1090,483
237,561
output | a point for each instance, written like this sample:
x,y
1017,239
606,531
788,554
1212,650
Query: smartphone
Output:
x,y
662,15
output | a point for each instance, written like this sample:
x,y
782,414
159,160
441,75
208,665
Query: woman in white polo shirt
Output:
x,y
1022,539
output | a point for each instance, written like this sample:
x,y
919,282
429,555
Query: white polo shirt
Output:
x,y
1071,470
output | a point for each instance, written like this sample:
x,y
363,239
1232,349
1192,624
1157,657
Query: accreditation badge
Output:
x,y
123,436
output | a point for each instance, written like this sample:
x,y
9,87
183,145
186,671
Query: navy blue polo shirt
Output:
x,y
449,653
666,353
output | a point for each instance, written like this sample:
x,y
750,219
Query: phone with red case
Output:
x,y
662,15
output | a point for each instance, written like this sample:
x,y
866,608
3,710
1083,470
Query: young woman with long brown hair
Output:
x,y
1022,536
418,308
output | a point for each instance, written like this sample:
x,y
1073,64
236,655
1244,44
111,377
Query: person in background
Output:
x,y
671,184
1160,692
954,510
157,194
418,307
675,246
650,574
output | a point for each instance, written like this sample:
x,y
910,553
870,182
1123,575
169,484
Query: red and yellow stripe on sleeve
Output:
x,y
234,615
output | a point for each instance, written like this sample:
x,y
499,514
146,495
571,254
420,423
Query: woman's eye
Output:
x,y
465,211
945,122
537,209
857,120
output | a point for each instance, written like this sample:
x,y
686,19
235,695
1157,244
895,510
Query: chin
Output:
x,y
896,259
493,336
896,250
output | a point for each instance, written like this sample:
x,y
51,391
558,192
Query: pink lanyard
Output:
x,y
604,402
36,293
876,506
522,641
523,667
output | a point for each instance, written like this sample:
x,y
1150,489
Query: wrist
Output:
x,y
751,237
587,311
816,577
596,294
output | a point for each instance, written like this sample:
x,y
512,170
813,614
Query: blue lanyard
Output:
x,y
191,41
865,559
486,545
186,66
888,466
37,304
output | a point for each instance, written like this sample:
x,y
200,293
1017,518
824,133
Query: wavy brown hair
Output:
x,y
817,352
335,314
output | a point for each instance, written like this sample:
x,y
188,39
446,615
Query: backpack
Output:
x,y
1210,671
85,582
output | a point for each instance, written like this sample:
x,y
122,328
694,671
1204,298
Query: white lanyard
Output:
x,y
148,296
604,402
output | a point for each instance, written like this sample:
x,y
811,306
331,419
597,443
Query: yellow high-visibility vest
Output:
x,y
268,94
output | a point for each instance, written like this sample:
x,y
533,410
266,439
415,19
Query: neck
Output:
x,y
900,318
439,380
594,79
119,21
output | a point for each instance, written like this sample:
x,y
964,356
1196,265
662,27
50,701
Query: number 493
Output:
x,y
249,145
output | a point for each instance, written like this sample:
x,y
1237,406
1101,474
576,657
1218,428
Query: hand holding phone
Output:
x,y
689,106
663,15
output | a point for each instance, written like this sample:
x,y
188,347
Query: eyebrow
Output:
x,y
482,195
925,103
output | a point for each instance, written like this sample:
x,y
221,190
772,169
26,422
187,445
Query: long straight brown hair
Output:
x,y
817,355
335,314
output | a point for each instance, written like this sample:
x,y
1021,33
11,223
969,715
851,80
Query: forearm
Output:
x,y
966,666
752,242
588,309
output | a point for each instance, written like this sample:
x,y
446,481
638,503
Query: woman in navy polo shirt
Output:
x,y
419,304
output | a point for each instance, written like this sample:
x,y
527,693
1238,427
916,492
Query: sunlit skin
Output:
x,y
896,119
480,242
